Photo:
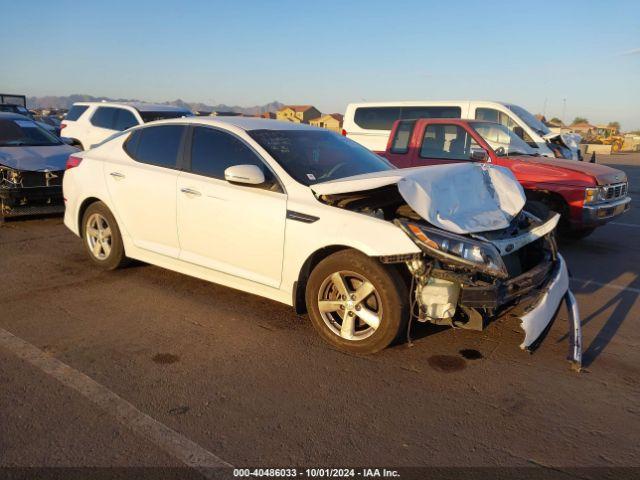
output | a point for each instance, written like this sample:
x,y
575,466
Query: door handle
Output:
x,y
190,191
117,175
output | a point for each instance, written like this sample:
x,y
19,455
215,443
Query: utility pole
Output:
x,y
544,108
564,110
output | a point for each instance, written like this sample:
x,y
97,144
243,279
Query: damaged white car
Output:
x,y
309,218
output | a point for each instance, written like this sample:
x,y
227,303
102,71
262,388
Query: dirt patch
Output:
x,y
165,358
181,410
447,363
471,354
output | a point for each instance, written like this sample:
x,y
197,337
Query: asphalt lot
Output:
x,y
246,380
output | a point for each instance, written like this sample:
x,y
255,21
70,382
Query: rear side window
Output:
x,y
75,112
113,118
104,117
213,151
382,118
156,145
400,142
124,119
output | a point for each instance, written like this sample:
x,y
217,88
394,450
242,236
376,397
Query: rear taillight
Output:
x,y
63,126
344,132
73,162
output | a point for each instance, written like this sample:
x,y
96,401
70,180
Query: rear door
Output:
x,y
444,143
142,185
232,228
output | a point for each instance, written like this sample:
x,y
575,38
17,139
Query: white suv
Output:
x,y
89,123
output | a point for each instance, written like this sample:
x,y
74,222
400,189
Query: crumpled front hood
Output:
x,y
460,198
36,159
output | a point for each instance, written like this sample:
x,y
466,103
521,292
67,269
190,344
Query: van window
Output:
x,y
450,142
376,118
383,118
400,143
493,115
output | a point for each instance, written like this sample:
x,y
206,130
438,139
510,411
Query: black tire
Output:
x,y
116,257
391,294
575,235
538,209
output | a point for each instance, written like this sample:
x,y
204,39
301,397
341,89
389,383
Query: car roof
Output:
x,y
244,123
140,106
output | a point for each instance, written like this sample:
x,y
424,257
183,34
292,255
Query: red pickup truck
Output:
x,y
585,194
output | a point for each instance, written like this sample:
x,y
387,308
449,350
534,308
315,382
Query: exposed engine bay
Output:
x,y
466,279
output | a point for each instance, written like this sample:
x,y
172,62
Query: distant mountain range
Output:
x,y
67,101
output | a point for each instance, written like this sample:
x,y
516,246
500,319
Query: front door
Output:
x,y
232,228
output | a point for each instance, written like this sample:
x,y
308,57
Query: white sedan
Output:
x,y
306,217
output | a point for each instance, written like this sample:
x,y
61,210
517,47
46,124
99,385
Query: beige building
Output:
x,y
297,113
331,121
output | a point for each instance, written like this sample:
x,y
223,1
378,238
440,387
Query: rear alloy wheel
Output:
x,y
102,239
99,236
356,303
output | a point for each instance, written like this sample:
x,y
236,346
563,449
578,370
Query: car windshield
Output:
x,y
502,140
18,132
315,156
152,116
531,121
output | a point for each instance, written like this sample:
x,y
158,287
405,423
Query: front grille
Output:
x,y
616,190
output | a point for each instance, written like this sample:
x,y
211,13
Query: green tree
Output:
x,y
615,125
555,120
579,120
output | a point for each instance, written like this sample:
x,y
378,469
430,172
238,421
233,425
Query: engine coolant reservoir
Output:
x,y
439,298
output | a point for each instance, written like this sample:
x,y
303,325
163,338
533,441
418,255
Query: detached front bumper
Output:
x,y
594,215
534,297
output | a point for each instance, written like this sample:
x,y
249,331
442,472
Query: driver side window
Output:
x,y
213,151
450,142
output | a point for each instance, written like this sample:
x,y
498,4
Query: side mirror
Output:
x,y
247,174
478,155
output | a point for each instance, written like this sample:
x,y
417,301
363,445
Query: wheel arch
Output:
x,y
553,200
86,203
300,285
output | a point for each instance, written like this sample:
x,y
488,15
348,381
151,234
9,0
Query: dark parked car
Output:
x,y
32,163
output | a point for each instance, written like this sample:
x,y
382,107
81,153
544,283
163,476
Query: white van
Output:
x,y
370,123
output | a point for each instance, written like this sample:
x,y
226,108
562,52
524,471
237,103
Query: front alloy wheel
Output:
x,y
349,305
356,303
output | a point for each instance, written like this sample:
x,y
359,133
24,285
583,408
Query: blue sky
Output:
x,y
329,53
